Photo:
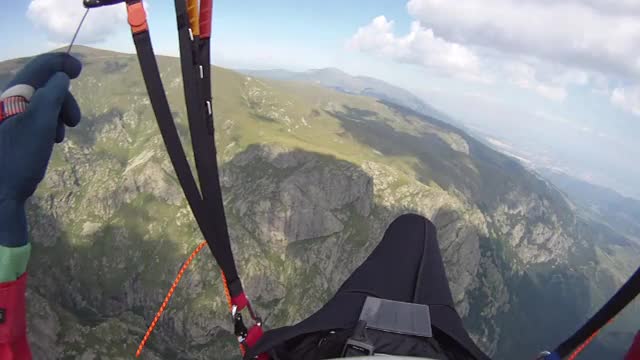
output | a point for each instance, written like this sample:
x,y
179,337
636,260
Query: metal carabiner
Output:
x,y
239,328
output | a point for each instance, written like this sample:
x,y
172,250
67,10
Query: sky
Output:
x,y
555,82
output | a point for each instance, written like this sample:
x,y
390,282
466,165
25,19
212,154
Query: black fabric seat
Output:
x,y
406,266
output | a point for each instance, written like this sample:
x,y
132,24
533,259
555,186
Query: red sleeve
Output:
x,y
634,351
13,327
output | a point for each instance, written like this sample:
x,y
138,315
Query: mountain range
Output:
x,y
312,174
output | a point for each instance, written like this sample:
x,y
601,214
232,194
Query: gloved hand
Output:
x,y
40,96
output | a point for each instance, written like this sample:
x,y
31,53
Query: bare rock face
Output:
x,y
532,229
304,204
461,252
143,176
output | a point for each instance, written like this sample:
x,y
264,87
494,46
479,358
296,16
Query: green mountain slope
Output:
x,y
311,178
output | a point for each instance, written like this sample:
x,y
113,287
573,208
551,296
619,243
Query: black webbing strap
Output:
x,y
619,301
208,212
204,53
168,130
193,100
205,60
203,141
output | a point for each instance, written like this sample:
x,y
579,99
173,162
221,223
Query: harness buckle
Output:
x,y
246,336
358,344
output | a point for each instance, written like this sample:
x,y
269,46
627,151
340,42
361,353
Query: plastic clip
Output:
x,y
137,17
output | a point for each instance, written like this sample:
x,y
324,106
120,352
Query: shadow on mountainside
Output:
x,y
483,175
119,271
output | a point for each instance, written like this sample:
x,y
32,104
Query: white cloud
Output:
x,y
571,32
615,6
572,76
545,46
524,76
420,46
627,99
549,81
551,117
60,18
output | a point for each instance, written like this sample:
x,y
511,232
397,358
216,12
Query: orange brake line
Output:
x,y
168,297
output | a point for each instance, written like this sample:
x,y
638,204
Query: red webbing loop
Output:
x,y
240,301
254,334
12,105
206,8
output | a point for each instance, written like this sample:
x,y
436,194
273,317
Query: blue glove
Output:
x,y
27,138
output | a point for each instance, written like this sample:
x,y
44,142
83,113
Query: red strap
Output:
x,y
205,18
12,310
240,301
16,350
634,351
253,336
12,105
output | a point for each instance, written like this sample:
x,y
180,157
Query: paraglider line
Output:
x,y
75,35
